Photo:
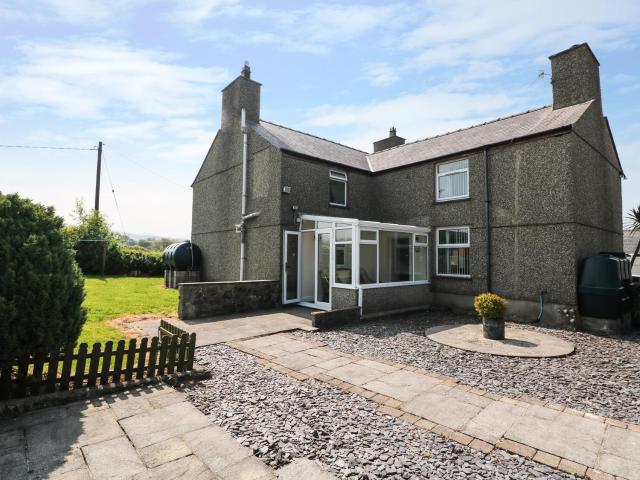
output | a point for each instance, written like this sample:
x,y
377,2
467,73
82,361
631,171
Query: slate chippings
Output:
x,y
601,377
282,419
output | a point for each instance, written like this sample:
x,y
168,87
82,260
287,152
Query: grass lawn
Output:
x,y
112,297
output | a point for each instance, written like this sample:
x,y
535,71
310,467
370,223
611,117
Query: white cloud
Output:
x,y
382,74
416,116
86,79
455,32
312,29
195,11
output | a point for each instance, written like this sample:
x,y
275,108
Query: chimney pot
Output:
x,y
246,71
393,140
392,132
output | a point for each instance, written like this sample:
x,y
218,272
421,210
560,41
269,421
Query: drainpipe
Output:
x,y
487,212
243,126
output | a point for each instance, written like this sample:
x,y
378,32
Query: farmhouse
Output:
x,y
510,206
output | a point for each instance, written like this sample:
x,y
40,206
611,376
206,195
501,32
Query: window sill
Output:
x,y
365,286
454,277
449,200
337,205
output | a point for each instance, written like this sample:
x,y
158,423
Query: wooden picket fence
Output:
x,y
168,329
68,369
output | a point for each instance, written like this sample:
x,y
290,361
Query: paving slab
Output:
x,y
163,423
440,408
620,453
216,447
402,385
164,452
381,367
355,374
334,363
303,468
113,459
249,468
297,361
186,468
225,328
569,436
494,421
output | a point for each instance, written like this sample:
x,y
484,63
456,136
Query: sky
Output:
x,y
144,77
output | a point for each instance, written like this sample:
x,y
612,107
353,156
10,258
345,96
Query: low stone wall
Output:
x,y
335,318
206,299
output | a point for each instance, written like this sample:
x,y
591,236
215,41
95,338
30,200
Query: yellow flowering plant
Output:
x,y
490,305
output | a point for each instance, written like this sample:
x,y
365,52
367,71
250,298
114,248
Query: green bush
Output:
x,y
490,305
99,250
41,287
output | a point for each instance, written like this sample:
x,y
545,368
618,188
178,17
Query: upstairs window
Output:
x,y
452,180
337,188
453,252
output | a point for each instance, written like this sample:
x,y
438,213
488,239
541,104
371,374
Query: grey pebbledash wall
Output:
x,y
206,299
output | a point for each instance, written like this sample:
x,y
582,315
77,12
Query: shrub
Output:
x,y
41,287
490,305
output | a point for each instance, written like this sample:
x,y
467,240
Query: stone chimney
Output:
x,y
241,93
575,77
392,140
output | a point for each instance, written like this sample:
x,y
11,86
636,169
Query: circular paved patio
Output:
x,y
517,342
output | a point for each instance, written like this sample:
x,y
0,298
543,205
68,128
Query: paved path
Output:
x,y
143,434
563,438
225,328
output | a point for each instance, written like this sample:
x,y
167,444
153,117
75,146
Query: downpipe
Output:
x,y
243,210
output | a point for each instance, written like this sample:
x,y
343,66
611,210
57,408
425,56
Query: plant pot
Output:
x,y
493,328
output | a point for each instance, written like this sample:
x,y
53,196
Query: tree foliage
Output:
x,y
101,251
41,287
633,224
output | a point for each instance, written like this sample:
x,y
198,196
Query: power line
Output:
x,y
113,191
47,147
146,168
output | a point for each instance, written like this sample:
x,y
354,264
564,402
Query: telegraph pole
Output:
x,y
97,204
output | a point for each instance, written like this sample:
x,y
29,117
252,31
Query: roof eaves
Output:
x,y
332,162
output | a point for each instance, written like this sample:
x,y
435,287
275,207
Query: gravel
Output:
x,y
282,419
601,377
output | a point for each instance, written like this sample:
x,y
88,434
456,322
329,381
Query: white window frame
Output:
x,y
335,242
452,245
439,175
369,242
419,244
338,176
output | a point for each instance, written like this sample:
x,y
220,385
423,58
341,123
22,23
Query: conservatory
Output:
x,y
331,261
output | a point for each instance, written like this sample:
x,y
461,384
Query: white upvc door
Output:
x,y
323,254
291,268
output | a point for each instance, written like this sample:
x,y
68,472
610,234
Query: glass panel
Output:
x,y
451,166
307,266
453,261
308,225
343,235
343,225
291,267
324,267
367,235
421,239
395,257
339,175
321,225
368,263
452,185
337,192
453,237
343,260
420,263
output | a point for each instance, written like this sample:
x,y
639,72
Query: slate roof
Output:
x,y
519,126
312,146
